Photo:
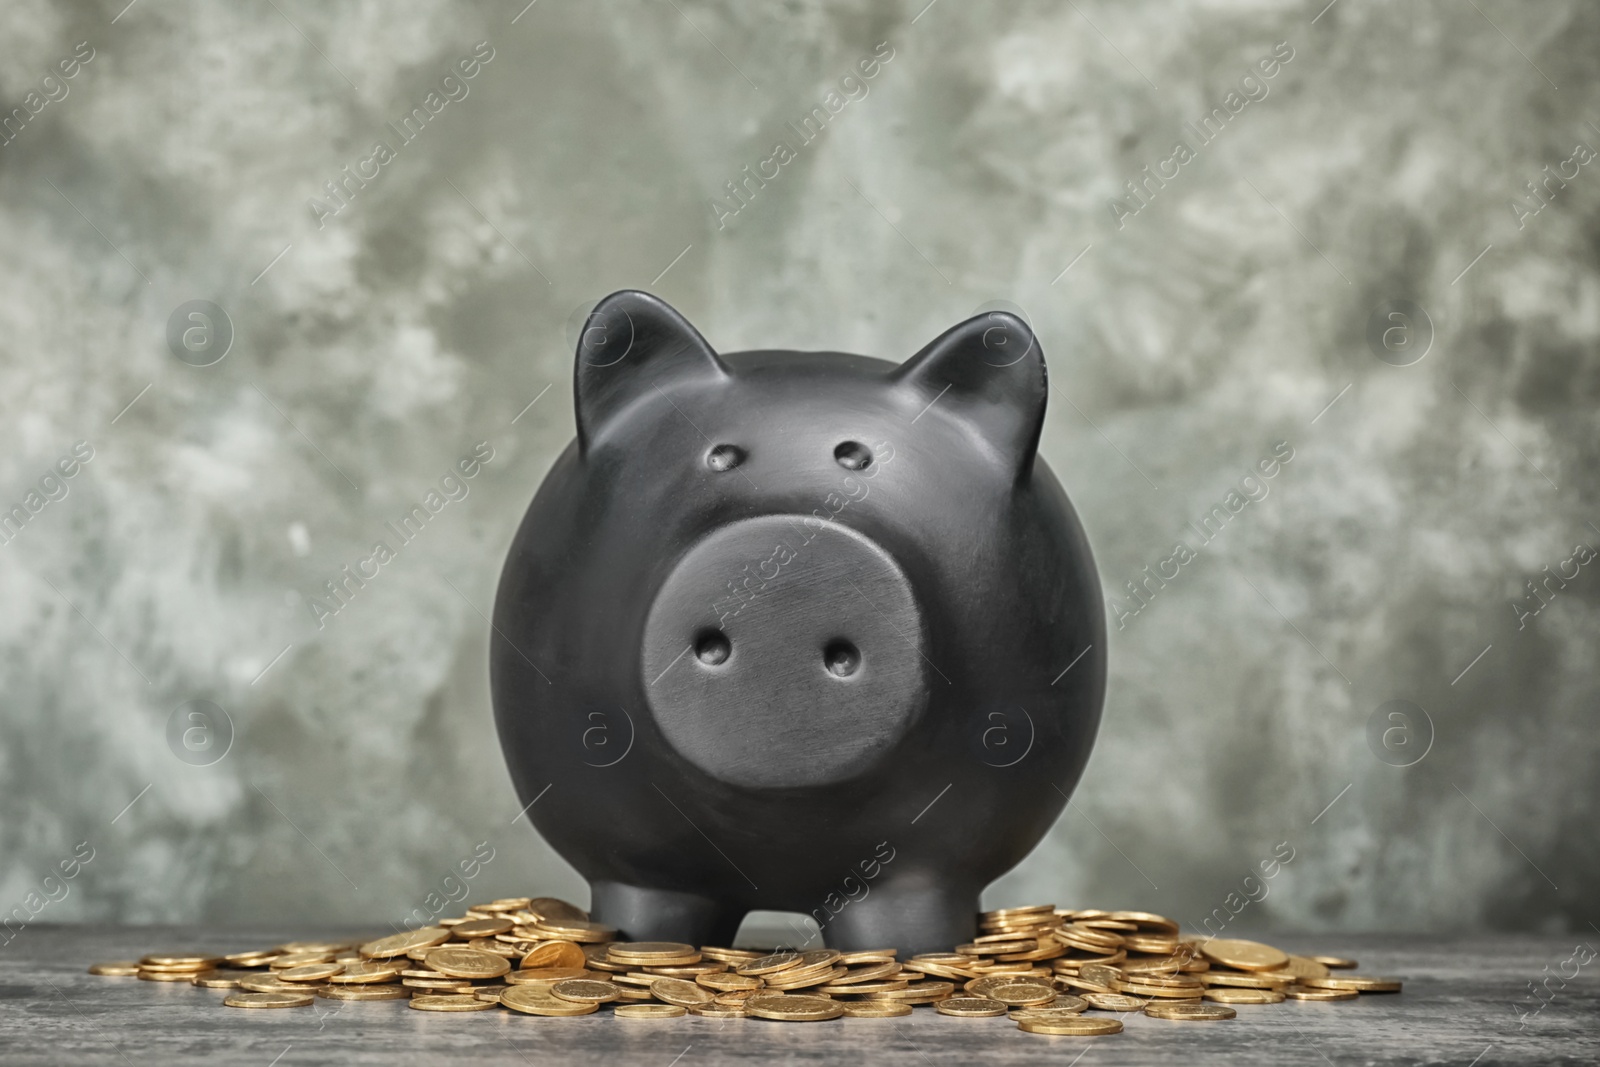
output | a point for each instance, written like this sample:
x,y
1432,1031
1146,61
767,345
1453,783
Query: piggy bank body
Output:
x,y
799,631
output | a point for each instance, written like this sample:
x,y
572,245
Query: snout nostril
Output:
x,y
841,658
712,648
853,455
724,457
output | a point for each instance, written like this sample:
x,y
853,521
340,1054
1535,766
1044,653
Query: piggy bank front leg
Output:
x,y
642,914
913,916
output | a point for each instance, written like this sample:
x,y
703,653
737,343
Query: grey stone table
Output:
x,y
1466,1001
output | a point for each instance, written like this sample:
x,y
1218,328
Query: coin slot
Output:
x,y
724,457
853,455
711,647
841,658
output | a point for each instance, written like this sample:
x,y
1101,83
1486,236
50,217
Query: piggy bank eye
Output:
x,y
853,455
724,457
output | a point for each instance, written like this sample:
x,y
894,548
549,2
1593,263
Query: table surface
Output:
x,y
1460,1006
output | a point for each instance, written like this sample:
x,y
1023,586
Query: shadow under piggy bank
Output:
x,y
803,631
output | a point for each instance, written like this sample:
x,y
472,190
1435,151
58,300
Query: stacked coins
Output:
x,y
1051,971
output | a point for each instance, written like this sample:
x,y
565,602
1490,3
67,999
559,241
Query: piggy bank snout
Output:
x,y
783,652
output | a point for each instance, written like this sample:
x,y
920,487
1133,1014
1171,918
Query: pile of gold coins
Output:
x,y
1051,970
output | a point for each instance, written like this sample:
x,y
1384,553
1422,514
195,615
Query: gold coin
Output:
x,y
1155,944
730,955
168,976
796,978
1022,911
1102,975
538,1000
1296,992
808,969
869,955
547,908
820,957
1303,967
726,982
400,944
548,975
1223,995
574,930
1021,994
1360,982
863,988
467,963
1245,955
648,1011
1146,919
649,951
1139,989
584,991
299,959
686,970
1088,939
311,972
875,1009
979,987
511,949
116,968
596,961
770,964
194,961
1063,1002
1072,1026
438,985
1256,980
554,954
1044,1014
379,991
479,928
1189,1012
1338,963
267,1000
219,979
506,904
680,992
787,1007
1151,965
634,993
489,993
1114,1001
970,1007
254,958
361,972
450,1002
718,1011
175,968
979,948
917,991
635,978
269,983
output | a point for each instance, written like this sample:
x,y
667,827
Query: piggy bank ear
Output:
x,y
990,371
632,345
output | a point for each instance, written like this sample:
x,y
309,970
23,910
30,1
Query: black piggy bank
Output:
x,y
801,631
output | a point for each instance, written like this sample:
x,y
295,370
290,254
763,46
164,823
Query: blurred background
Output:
x,y
237,339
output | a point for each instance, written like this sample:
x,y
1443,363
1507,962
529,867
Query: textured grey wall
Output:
x,y
378,339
